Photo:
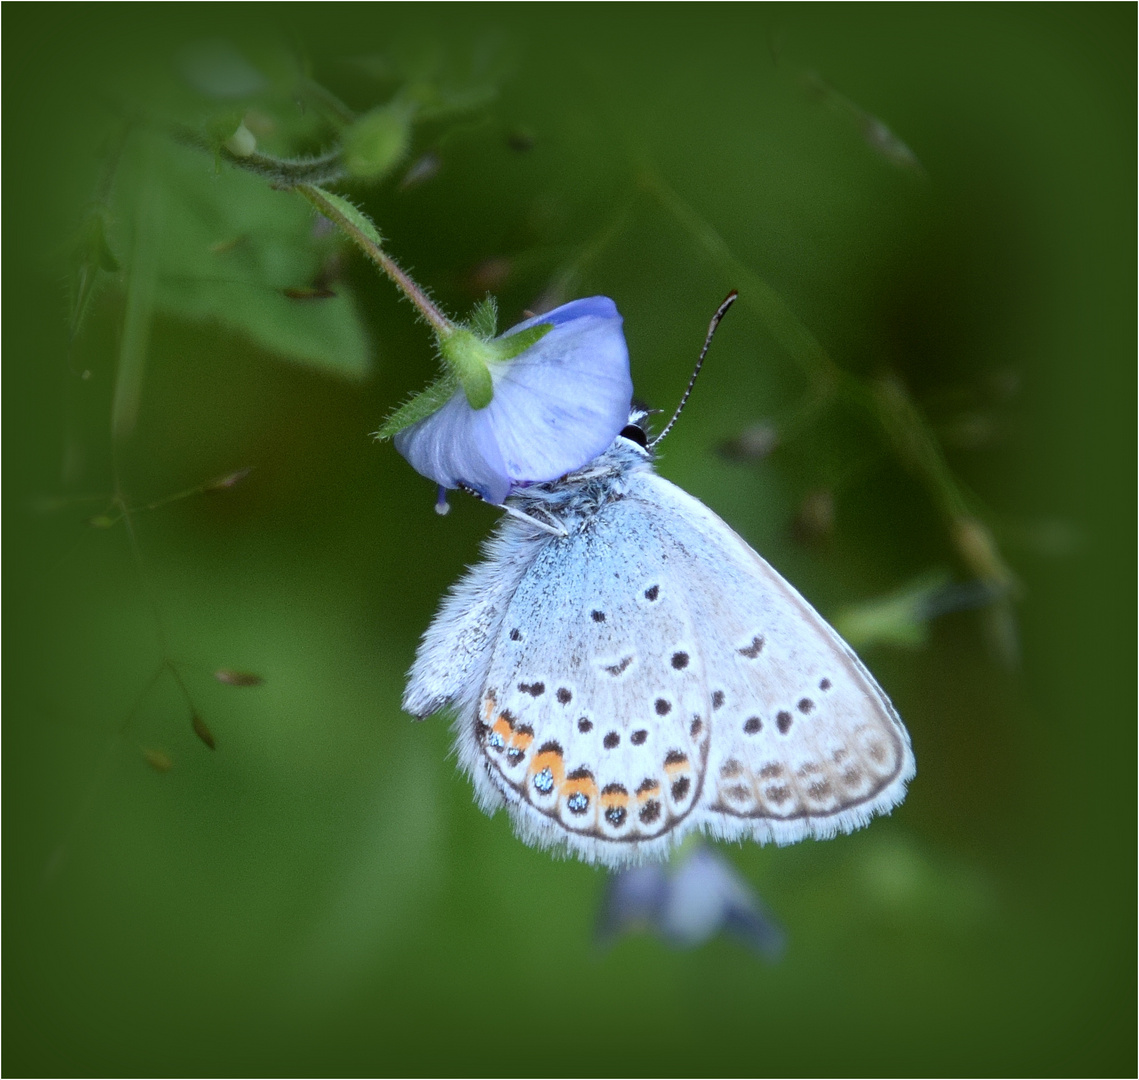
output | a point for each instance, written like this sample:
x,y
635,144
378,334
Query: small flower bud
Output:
x,y
242,142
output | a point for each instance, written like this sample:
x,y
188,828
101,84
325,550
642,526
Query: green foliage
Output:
x,y
900,618
233,251
320,894
92,259
441,84
378,141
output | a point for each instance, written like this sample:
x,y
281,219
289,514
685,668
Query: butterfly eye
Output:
x,y
635,434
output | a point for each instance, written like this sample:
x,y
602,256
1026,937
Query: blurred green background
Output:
x,y
939,201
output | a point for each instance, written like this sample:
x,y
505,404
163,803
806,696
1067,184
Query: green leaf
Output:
x,y
236,252
421,406
352,214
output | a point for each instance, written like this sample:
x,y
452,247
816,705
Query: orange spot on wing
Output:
x,y
610,799
503,728
648,791
522,739
672,767
583,785
552,760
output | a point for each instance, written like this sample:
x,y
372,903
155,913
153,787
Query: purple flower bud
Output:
x,y
555,407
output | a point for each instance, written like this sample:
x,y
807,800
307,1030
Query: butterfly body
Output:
x,y
644,673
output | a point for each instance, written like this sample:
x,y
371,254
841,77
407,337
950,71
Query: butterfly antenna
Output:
x,y
727,303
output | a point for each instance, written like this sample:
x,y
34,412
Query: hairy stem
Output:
x,y
350,220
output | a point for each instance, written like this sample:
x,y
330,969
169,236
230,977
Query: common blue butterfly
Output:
x,y
624,669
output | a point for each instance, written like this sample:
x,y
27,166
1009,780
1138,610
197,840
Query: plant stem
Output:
x,y
357,225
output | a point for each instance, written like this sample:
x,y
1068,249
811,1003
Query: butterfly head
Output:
x,y
635,431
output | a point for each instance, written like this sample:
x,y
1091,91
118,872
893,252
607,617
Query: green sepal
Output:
x,y
509,347
484,318
421,406
467,355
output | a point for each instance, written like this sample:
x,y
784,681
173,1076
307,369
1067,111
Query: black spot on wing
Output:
x,y
578,802
754,649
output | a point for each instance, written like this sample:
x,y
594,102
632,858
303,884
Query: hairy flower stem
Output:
x,y
363,231
304,175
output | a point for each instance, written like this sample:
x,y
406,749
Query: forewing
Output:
x,y
594,718
803,740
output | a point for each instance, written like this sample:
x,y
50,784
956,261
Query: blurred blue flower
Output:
x,y
555,407
688,903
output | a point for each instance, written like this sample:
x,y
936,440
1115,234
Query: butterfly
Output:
x,y
624,670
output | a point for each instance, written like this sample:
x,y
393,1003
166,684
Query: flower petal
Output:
x,y
450,449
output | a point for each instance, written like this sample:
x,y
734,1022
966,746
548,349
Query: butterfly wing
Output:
x,y
593,720
804,741
650,674
451,662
